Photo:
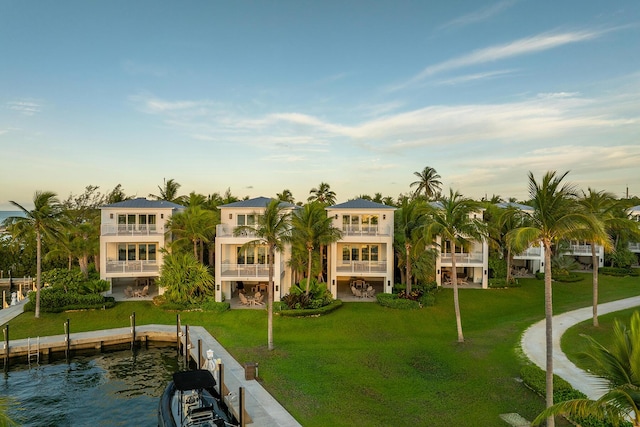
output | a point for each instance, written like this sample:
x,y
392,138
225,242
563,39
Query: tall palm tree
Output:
x,y
599,204
44,219
556,216
451,218
322,194
428,183
509,219
312,227
273,230
619,367
169,192
408,221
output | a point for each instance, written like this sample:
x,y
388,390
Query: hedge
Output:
x,y
281,309
57,301
618,271
567,278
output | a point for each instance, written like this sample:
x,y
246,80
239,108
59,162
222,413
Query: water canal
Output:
x,y
115,388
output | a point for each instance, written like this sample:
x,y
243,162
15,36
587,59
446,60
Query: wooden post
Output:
x,y
187,346
178,332
199,353
67,339
132,320
242,419
6,347
221,387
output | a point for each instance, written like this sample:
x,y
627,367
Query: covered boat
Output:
x,y
191,400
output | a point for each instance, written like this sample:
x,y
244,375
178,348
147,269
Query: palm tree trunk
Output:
x,y
548,310
595,263
456,302
38,271
309,250
508,265
270,290
407,248
195,248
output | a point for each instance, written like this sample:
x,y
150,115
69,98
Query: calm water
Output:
x,y
117,388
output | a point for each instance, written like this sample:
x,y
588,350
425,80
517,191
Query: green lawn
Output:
x,y
368,365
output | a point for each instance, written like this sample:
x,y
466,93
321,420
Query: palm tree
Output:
x,y
556,216
185,279
194,225
618,366
169,192
286,196
451,219
322,194
312,227
408,220
44,219
273,230
599,204
428,183
509,219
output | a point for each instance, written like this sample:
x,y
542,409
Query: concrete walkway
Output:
x,y
534,339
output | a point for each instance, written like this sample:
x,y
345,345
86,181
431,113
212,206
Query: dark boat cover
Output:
x,y
193,380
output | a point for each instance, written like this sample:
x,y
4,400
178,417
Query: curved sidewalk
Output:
x,y
533,344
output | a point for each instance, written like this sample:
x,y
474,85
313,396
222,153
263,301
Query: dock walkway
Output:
x,y
263,409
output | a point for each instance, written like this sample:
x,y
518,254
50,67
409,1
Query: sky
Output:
x,y
262,96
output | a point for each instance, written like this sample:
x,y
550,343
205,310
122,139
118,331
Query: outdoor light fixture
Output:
x,y
384,216
230,216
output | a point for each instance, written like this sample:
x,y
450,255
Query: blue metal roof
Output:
x,y
505,205
143,203
361,204
256,203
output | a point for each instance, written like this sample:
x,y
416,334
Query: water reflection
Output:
x,y
119,388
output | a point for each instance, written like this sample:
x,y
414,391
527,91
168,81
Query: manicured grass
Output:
x,y
369,365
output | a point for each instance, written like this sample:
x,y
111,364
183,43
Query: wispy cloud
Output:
x,y
473,77
479,15
28,108
524,46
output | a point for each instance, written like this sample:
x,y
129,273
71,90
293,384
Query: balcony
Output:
x,y
226,230
245,270
365,230
531,252
584,250
465,258
634,246
132,267
362,267
130,230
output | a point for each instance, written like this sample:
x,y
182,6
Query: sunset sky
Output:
x,y
259,96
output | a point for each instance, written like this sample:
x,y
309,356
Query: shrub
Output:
x,y
392,301
319,296
497,267
502,283
568,278
308,312
618,271
68,280
57,300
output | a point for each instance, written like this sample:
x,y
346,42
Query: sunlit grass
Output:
x,y
368,365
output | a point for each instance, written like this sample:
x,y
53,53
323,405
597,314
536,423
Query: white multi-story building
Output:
x,y
365,250
132,233
249,267
634,214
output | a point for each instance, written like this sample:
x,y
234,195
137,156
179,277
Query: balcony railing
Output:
x,y
473,257
533,251
581,250
634,246
245,270
132,267
226,230
362,267
365,230
130,230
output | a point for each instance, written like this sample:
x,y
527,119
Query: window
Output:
x,y
131,252
142,252
374,252
262,255
249,255
346,253
122,252
365,252
241,220
137,252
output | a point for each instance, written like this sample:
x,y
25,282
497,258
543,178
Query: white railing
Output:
x,y
245,270
132,267
580,249
634,246
362,267
462,258
226,230
365,230
533,251
130,230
